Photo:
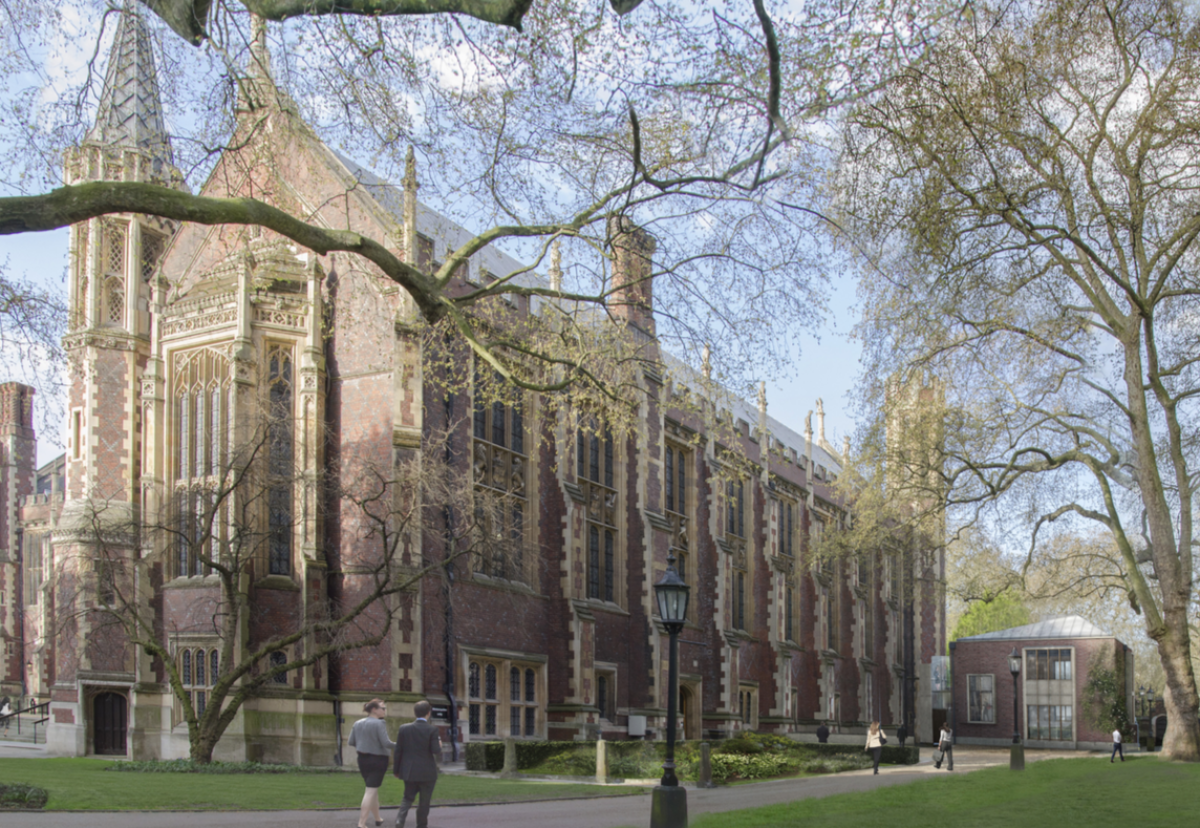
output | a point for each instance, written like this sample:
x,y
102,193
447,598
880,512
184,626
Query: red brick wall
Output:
x,y
992,657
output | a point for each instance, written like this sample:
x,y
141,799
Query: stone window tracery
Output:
x,y
280,459
198,670
201,382
113,263
500,470
741,584
494,684
677,461
595,471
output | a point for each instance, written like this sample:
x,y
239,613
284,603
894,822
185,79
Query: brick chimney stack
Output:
x,y
632,298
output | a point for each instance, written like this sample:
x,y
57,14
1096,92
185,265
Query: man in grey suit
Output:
x,y
418,751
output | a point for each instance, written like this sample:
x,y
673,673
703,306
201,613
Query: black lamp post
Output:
x,y
668,807
1016,757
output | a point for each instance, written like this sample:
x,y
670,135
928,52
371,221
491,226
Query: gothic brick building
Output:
x,y
180,333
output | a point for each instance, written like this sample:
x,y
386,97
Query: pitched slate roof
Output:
x,y
1070,626
130,112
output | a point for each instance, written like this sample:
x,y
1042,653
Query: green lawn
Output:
x,y
83,784
1060,793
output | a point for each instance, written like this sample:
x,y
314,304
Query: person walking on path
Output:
x,y
946,746
823,733
1117,747
415,762
875,742
902,734
369,737
5,713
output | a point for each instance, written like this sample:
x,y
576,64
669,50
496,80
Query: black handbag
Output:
x,y
882,739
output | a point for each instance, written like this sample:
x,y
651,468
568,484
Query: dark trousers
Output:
x,y
1118,747
411,789
876,752
948,757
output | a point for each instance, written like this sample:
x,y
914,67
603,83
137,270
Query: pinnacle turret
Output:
x,y
130,113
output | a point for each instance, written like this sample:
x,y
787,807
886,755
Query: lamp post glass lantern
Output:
x,y
668,808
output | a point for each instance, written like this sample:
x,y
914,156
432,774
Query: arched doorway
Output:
x,y
689,711
109,724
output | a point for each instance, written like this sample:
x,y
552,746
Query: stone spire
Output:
x,y
821,422
409,215
706,362
130,113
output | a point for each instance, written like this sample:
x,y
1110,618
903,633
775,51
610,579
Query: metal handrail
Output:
x,y
43,709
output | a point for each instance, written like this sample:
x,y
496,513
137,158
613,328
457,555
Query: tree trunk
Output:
x,y
1182,740
202,749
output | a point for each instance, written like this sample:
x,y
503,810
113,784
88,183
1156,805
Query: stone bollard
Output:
x,y
705,780
602,762
510,759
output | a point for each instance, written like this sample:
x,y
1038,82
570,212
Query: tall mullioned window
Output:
x,y
595,468
198,671
500,467
202,407
676,462
785,544
280,459
735,508
735,539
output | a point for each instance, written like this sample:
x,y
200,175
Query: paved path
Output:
x,y
603,813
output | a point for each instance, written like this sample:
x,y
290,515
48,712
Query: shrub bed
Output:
x,y
749,756
22,796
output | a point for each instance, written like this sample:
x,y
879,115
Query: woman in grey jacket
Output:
x,y
369,737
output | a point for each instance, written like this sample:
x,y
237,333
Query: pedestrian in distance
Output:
x,y
946,746
875,742
369,737
823,733
415,762
902,734
1117,747
6,712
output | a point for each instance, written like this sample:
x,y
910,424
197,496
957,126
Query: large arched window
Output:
x,y
202,407
280,459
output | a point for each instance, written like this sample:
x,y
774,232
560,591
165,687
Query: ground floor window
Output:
x,y
981,699
748,707
198,670
502,697
1049,722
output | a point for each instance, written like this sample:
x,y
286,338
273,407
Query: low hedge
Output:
x,y
891,755
489,756
190,766
22,796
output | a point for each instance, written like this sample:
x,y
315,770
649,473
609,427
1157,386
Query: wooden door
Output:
x,y
109,723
